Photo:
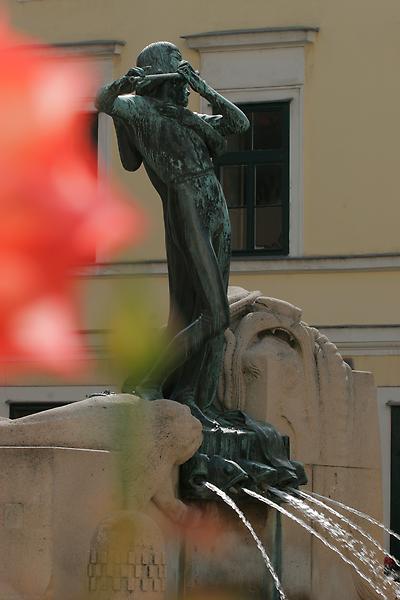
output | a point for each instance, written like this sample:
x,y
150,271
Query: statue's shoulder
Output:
x,y
141,106
140,102
133,108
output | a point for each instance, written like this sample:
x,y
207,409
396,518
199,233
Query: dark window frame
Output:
x,y
250,159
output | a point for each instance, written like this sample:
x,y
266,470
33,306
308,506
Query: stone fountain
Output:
x,y
90,500
104,499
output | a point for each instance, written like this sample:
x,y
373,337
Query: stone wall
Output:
x,y
280,370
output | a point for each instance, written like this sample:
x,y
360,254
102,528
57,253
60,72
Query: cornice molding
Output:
x,y
364,340
92,47
87,48
274,37
321,264
261,266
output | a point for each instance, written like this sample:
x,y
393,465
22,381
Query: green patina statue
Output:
x,y
177,147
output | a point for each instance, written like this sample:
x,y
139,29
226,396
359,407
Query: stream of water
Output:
x,y
228,500
360,514
347,521
344,539
315,533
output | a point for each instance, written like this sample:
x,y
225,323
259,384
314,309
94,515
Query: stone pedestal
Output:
x,y
280,370
61,524
71,530
127,559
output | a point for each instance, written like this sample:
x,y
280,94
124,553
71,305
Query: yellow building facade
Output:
x,y
335,65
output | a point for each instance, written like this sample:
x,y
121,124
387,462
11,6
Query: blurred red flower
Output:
x,y
54,212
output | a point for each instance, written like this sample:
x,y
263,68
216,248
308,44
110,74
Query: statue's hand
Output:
x,y
136,74
192,77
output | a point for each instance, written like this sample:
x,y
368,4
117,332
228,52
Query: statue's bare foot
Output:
x,y
187,397
202,417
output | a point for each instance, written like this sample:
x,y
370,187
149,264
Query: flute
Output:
x,y
156,76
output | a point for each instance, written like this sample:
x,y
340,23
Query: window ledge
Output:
x,y
264,37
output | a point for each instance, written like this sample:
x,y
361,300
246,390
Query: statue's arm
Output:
x,y
108,100
233,119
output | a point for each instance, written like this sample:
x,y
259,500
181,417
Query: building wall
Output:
x,y
350,135
350,109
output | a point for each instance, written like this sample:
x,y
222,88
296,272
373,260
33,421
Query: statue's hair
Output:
x,y
157,57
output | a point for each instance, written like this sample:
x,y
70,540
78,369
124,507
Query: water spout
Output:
x,y
315,533
261,548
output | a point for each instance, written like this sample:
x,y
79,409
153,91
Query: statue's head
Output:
x,y
162,57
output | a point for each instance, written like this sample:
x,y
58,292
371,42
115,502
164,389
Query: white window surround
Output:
x,y
263,65
99,56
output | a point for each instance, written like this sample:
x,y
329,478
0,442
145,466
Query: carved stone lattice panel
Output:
x,y
127,559
141,570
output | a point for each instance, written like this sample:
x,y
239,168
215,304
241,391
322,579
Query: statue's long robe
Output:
x,y
176,148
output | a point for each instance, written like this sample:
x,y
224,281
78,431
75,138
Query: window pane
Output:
x,y
268,184
238,223
267,130
268,228
232,181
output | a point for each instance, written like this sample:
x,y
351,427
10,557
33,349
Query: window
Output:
x,y
22,400
395,480
254,173
262,65
21,409
93,123
92,120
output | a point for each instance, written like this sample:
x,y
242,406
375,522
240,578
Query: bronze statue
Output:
x,y
177,147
